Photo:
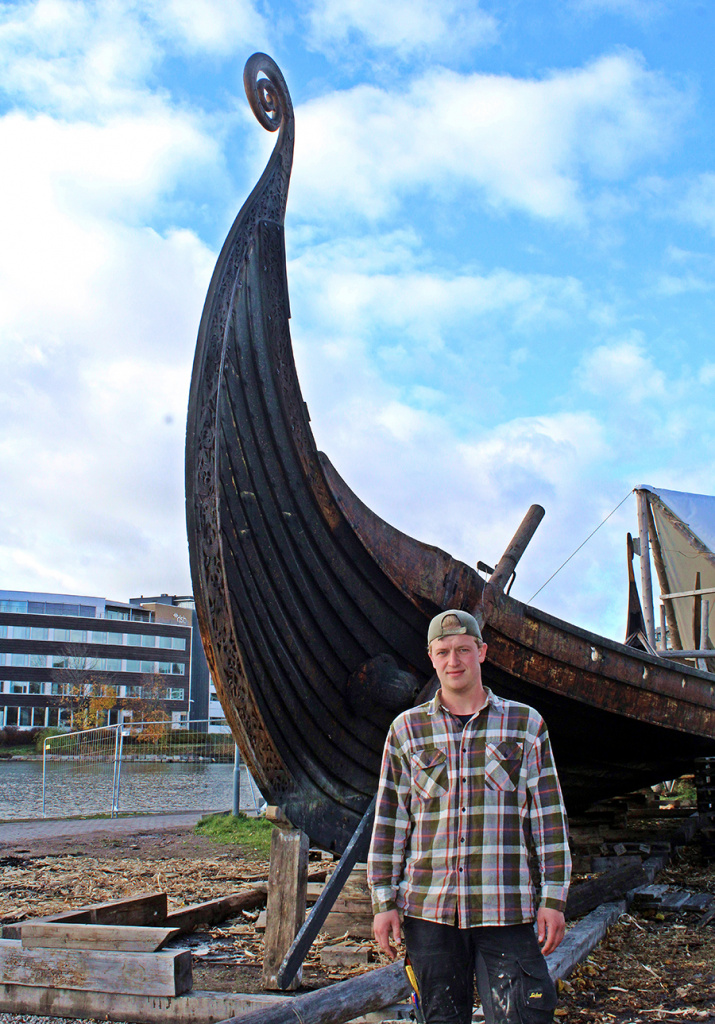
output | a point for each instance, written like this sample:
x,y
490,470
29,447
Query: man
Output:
x,y
468,800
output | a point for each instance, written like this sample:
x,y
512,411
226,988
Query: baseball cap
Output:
x,y
451,623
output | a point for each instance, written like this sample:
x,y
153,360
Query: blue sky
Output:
x,y
501,261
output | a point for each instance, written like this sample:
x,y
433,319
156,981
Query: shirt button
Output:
x,y
464,782
462,839
464,810
461,871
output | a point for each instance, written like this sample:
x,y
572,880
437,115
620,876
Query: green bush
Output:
x,y
43,734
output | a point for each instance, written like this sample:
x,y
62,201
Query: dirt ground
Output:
x,y
652,966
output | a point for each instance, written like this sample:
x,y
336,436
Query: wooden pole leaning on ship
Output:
x,y
507,563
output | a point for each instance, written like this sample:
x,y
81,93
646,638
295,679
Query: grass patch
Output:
x,y
252,833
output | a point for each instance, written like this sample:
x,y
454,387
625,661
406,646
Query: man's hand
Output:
x,y
387,925
551,926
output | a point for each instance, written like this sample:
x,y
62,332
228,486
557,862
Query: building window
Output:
x,y
165,641
20,632
3,631
134,691
38,661
20,660
114,664
39,633
97,638
35,687
60,661
61,634
178,643
25,716
148,666
11,716
18,687
132,666
58,689
13,606
116,613
148,640
175,693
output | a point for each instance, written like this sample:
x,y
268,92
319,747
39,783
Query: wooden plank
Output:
x,y
345,956
59,935
336,1004
348,924
150,974
285,910
191,1008
148,909
213,911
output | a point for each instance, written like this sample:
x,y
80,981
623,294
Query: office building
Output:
x,y
61,653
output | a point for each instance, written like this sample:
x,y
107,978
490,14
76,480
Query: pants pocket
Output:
x,y
537,997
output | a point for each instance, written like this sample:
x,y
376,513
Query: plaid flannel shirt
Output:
x,y
461,814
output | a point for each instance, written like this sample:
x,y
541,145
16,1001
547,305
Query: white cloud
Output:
x,y
407,27
622,373
524,144
211,26
698,203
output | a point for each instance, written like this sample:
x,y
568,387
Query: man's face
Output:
x,y
457,660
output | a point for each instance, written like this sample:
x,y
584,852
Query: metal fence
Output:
x,y
144,767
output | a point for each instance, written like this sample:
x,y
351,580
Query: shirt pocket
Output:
x,y
502,765
430,778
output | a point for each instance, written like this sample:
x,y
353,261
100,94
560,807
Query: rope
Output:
x,y
579,547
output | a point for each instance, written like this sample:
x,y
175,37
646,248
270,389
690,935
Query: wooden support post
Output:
x,y
285,909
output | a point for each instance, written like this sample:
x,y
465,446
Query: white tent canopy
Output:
x,y
682,531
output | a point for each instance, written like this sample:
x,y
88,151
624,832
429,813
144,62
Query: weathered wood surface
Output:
x,y
604,889
149,974
582,938
338,1003
285,910
61,935
148,909
213,911
191,1008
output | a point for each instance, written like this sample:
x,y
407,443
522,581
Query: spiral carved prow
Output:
x,y
268,96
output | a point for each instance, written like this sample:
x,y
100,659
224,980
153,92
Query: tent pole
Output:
x,y
646,584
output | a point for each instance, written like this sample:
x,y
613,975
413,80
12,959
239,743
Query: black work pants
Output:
x,y
512,977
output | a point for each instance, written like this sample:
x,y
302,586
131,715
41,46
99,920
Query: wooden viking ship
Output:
x,y
314,611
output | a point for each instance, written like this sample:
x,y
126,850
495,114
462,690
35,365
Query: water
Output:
x,y
74,789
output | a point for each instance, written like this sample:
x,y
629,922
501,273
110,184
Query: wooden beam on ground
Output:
x,y
337,1003
200,915
285,909
148,910
605,889
190,1008
59,935
583,937
148,974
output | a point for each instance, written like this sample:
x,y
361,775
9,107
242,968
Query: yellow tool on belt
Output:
x,y
419,1016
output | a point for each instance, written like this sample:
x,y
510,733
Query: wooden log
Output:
x,y
337,1003
149,974
149,910
59,935
213,911
607,887
285,910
